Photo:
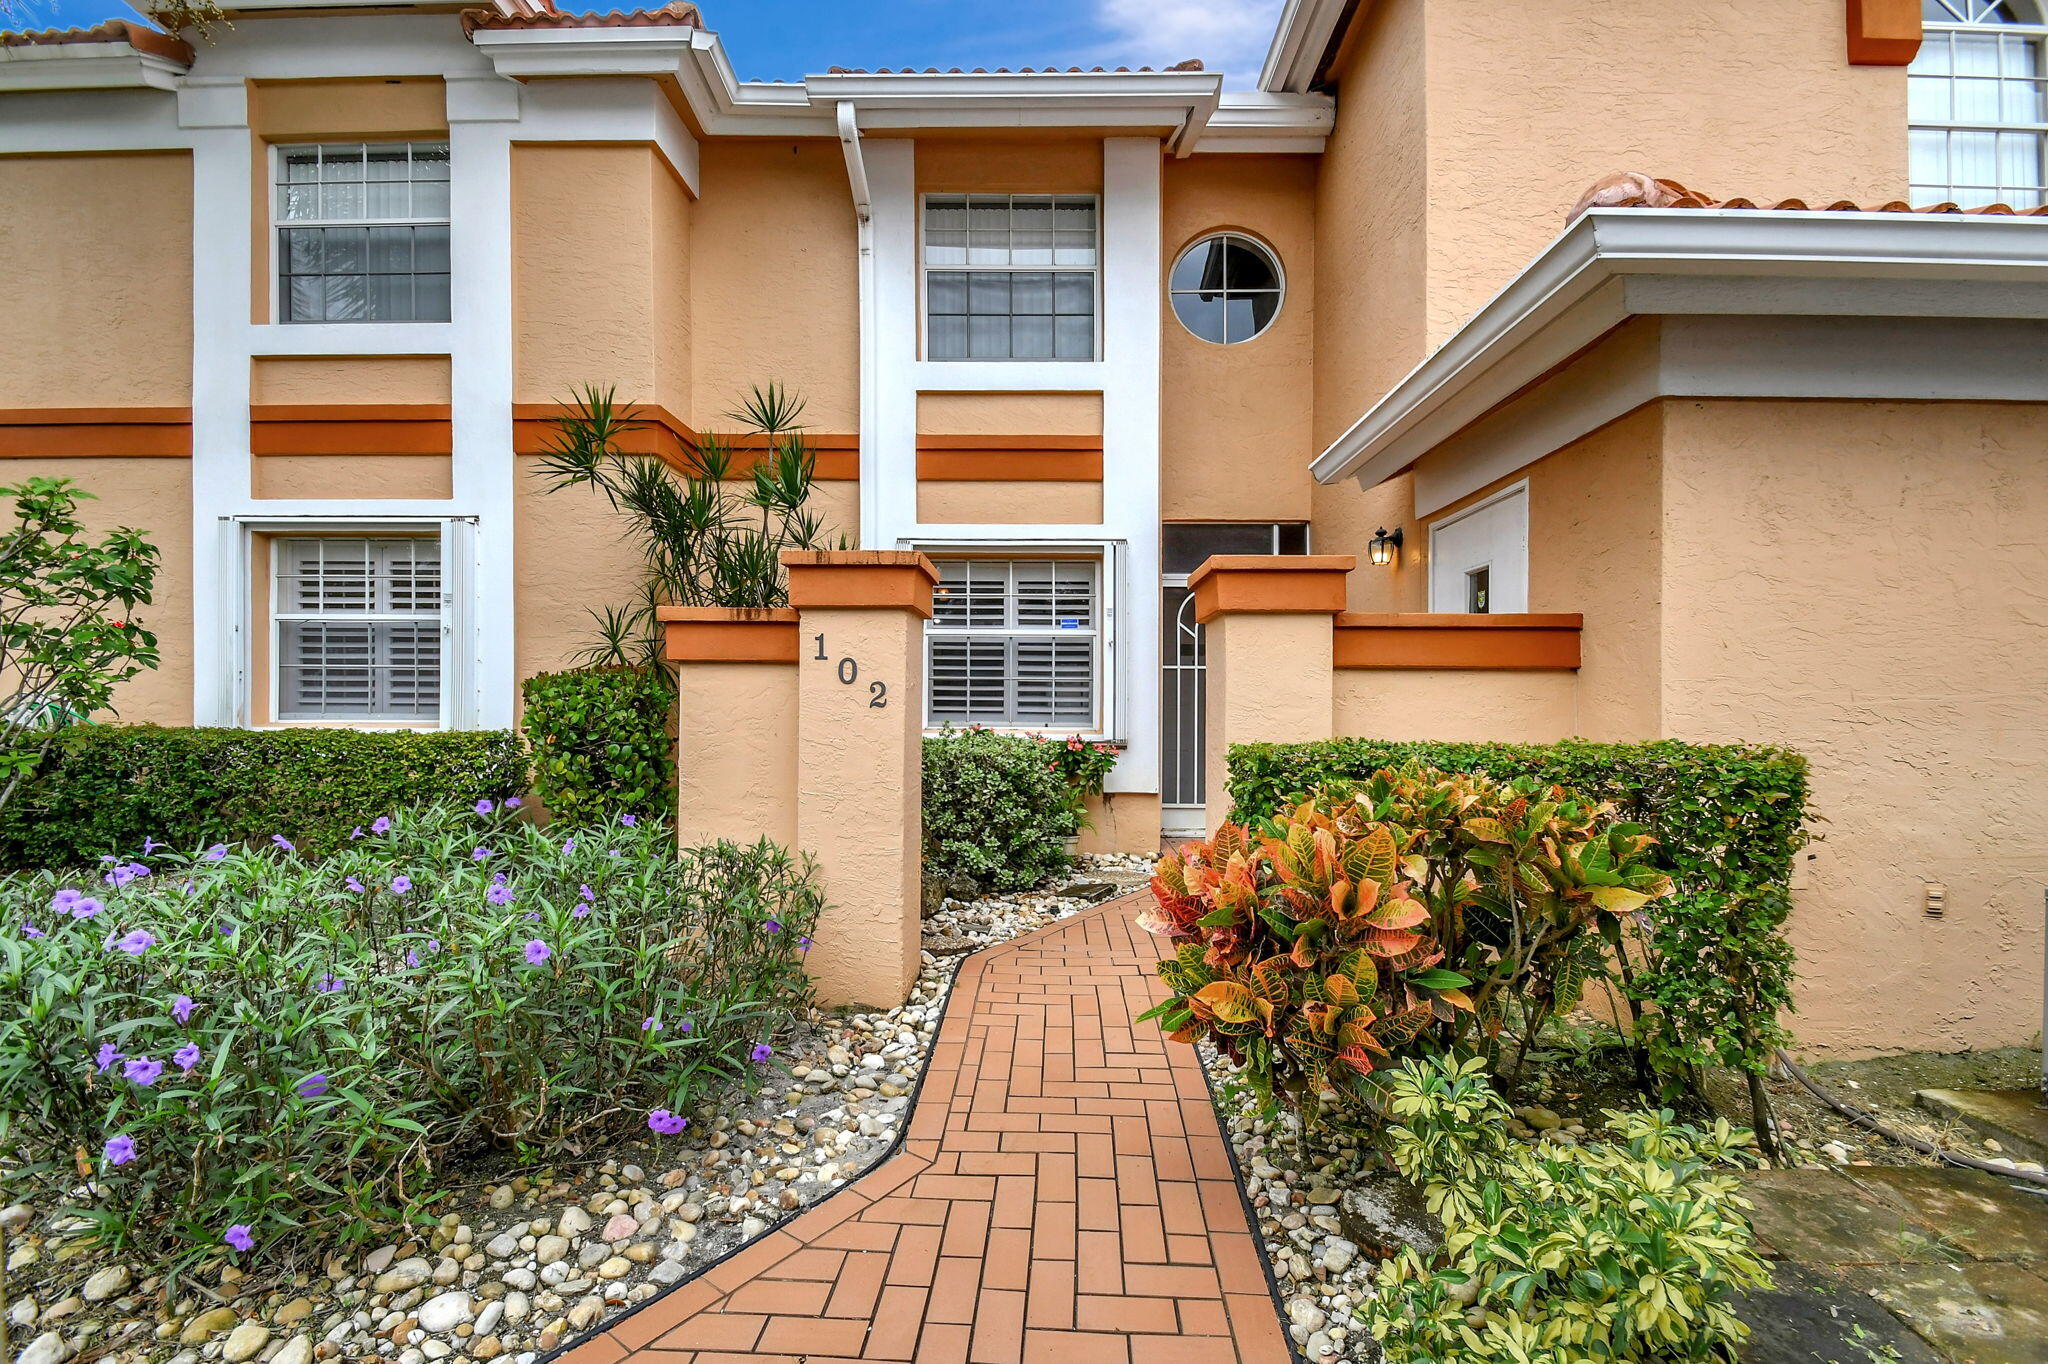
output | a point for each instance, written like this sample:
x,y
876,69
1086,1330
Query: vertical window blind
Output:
x,y
358,629
1015,643
1010,276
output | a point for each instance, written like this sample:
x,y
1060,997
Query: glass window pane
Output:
x,y
1201,314
430,160
945,248
390,250
347,249
306,300
1248,267
341,163
1073,294
388,298
429,199
1031,293
430,299
298,201
347,299
1074,338
302,165
1031,338
988,338
988,293
1199,267
945,214
945,292
429,249
947,337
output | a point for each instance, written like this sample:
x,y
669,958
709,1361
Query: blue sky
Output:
x,y
783,39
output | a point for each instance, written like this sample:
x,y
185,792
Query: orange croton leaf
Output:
x,y
1382,943
1398,910
1192,1032
1457,999
1227,1001
1356,1058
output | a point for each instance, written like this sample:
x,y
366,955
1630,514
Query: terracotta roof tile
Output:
x,y
1632,189
1192,64
135,35
678,13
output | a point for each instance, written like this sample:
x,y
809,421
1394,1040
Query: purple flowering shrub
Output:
x,y
214,1038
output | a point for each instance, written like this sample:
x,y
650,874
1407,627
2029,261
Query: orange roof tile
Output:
x,y
142,39
678,13
1633,189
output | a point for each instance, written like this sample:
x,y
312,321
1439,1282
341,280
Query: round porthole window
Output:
x,y
1226,288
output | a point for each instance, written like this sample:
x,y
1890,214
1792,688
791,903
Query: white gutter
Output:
x,y
85,66
1811,262
1299,42
856,167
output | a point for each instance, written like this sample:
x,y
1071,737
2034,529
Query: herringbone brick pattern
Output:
x,y
1063,1196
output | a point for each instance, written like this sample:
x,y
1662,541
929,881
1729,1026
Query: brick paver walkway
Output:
x,y
1063,1196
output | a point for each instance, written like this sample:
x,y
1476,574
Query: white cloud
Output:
x,y
1228,35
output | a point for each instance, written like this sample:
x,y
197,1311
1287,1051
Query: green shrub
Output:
x,y
1556,1254
996,809
1728,820
252,1038
601,742
105,789
1408,916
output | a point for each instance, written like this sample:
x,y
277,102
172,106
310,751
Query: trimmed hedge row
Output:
x,y
996,810
106,788
601,742
1729,819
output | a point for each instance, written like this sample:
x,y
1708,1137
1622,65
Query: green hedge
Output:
x,y
995,810
106,788
601,742
1729,819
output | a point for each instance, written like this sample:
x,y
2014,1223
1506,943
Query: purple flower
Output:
x,y
666,1123
135,943
761,1052
181,1008
380,825
29,930
537,952
650,1024
587,893
400,884
122,874
312,1087
568,845
330,984
216,852
629,820
513,802
803,944
484,807
240,1237
433,944
685,1026
480,854
227,930
120,1150
498,878
355,833
773,925
412,958
281,841
499,895
186,1056
85,907
150,845
580,912
108,1054
354,885
63,900
142,1070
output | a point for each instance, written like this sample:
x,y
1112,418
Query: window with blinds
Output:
x,y
362,232
1010,276
358,629
1015,643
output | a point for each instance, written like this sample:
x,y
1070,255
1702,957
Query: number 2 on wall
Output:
x,y
878,695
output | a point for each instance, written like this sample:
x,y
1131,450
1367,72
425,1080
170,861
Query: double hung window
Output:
x,y
362,232
1010,276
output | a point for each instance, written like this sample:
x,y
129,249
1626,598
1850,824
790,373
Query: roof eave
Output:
x,y
1300,39
86,66
1524,319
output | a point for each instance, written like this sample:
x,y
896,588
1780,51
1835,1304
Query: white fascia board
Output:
x,y
85,66
1258,122
610,109
308,47
1545,313
136,118
1299,41
654,51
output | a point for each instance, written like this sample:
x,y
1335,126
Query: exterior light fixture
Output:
x,y
1386,546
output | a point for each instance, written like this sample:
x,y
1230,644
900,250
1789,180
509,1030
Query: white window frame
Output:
x,y
1227,236
459,644
278,223
1111,703
924,270
1519,488
2035,33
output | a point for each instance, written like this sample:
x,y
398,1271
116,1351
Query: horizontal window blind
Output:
x,y
362,232
1015,643
1010,276
358,629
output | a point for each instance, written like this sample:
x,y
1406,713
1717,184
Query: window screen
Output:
x,y
362,232
1014,643
358,629
1010,276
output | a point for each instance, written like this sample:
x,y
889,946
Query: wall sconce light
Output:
x,y
1386,546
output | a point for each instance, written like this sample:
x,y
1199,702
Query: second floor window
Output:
x,y
1010,276
1975,103
362,232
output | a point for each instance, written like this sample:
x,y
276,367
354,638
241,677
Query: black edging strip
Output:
x,y
902,1132
1251,1215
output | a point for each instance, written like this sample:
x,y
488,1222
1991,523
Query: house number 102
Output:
x,y
849,673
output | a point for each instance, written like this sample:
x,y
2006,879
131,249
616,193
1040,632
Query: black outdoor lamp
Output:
x,y
1385,545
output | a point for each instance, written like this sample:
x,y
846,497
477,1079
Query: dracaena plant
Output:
x,y
1400,917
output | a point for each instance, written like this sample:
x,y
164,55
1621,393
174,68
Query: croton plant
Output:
x,y
1402,916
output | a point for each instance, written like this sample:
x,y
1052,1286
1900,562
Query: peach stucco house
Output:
x,y
298,296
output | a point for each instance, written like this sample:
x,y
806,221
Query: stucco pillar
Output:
x,y
736,706
860,761
1271,653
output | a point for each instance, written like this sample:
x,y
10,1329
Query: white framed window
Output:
x,y
1016,643
1976,104
357,629
1227,288
1011,276
362,232
1479,557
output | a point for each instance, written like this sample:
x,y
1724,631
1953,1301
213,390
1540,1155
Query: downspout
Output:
x,y
864,230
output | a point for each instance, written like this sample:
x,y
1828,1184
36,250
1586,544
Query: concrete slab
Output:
x,y
2015,1118
1812,1316
1972,1313
1818,1217
1986,1217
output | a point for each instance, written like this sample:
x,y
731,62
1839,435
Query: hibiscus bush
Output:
x,y
1417,912
217,1044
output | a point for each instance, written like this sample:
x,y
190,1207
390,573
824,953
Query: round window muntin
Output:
x,y
1278,291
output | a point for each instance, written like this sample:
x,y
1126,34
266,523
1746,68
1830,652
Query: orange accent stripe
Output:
x,y
1011,463
345,436
95,416
716,634
1269,583
1518,642
95,432
1093,443
662,434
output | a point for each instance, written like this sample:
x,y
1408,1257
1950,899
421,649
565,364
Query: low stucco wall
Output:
x,y
1868,583
1470,705
1122,822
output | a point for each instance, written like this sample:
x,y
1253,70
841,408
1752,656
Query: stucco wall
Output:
x,y
1450,704
1868,583
1009,414
1024,164
1009,502
346,476
349,379
1235,438
104,317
